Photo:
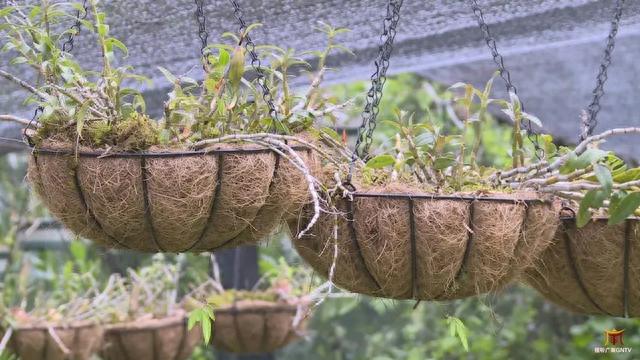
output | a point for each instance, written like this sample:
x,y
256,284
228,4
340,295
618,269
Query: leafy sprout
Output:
x,y
103,109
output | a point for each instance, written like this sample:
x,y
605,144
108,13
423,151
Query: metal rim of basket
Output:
x,y
98,154
427,196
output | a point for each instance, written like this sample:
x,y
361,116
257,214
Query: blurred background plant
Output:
x,y
516,324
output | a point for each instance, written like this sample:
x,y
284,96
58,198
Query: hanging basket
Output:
x,y
76,342
255,326
154,339
592,270
174,201
413,245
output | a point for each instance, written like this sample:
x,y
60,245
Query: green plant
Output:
x,y
457,329
148,292
446,159
40,293
77,104
99,109
598,181
205,317
441,157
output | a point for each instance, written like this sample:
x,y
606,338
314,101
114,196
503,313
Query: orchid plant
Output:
x,y
105,109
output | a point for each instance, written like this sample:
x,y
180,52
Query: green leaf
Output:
x,y
534,119
81,115
625,208
628,175
18,60
172,78
591,156
443,162
236,67
331,133
381,161
224,57
78,250
604,177
194,318
615,199
118,44
592,199
205,317
459,330
6,11
568,166
458,85
207,329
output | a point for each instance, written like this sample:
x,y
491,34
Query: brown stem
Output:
x,y
19,120
23,84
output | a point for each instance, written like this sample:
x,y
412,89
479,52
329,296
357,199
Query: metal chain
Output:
x,y
378,79
202,30
256,64
36,115
594,108
248,45
505,74
68,45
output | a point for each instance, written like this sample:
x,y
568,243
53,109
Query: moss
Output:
x,y
229,296
137,132
100,133
134,133
379,177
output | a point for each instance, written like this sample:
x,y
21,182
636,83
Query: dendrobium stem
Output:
x,y
19,120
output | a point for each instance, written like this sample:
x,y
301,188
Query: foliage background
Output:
x,y
515,324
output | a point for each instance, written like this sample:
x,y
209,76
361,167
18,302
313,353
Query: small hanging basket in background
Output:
x,y
153,339
405,244
227,196
591,270
77,342
256,326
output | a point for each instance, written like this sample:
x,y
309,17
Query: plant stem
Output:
x,y
19,120
583,146
23,84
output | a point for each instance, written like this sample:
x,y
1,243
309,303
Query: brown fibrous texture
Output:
x,y
256,326
591,270
428,248
36,342
195,202
151,339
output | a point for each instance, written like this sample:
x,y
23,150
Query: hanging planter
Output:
x,y
229,159
53,317
37,342
153,339
592,270
256,321
145,320
170,201
256,326
407,244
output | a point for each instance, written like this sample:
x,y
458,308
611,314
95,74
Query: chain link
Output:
x,y
378,79
594,108
532,134
75,28
67,46
250,47
256,64
202,30
34,119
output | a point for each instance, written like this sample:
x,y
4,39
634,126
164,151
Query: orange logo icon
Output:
x,y
613,337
